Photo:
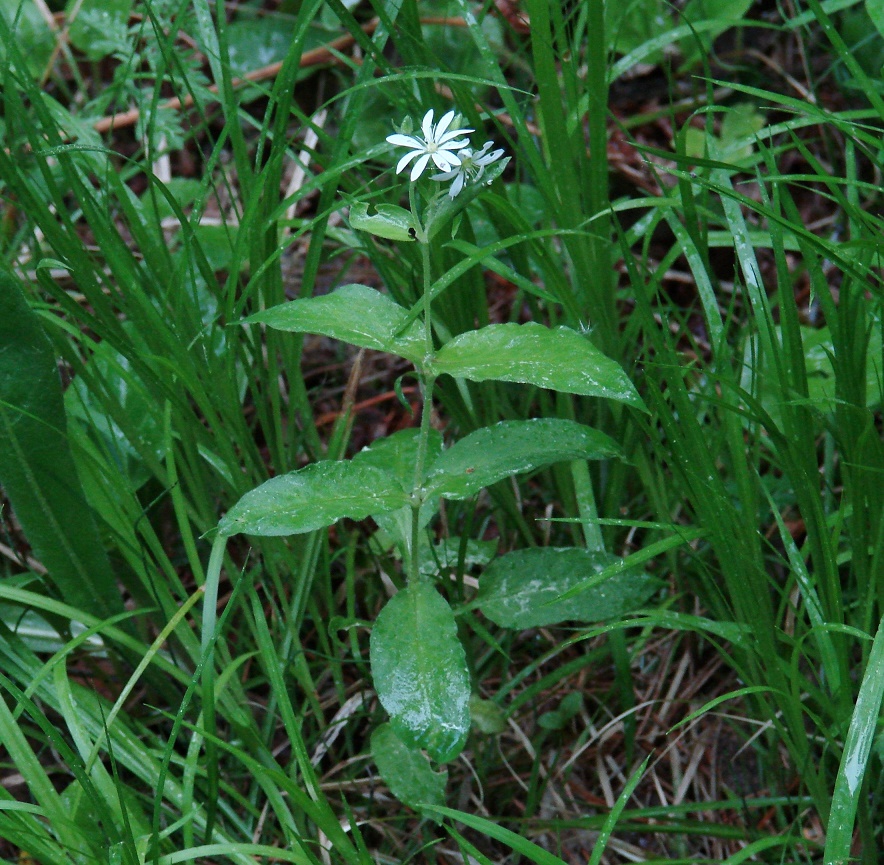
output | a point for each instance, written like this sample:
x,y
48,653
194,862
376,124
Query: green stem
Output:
x,y
586,506
427,382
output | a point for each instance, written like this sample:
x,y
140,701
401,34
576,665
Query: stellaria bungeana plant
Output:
x,y
418,663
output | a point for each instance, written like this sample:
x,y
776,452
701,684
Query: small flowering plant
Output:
x,y
418,662
452,154
439,143
444,145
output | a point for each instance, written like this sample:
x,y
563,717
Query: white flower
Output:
x,y
472,167
437,144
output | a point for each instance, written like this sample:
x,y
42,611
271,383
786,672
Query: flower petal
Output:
x,y
489,158
446,175
420,165
406,159
443,124
457,185
427,125
405,141
452,133
445,160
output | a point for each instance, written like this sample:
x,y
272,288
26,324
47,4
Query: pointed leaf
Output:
x,y
352,313
407,771
36,466
556,358
521,589
511,447
391,221
312,498
420,672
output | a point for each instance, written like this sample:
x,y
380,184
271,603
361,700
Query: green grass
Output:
x,y
214,702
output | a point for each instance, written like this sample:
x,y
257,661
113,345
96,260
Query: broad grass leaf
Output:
x,y
352,313
36,466
493,453
420,671
522,588
312,498
407,771
557,358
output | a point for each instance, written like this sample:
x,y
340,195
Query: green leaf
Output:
x,y
36,467
100,27
420,672
487,716
512,447
407,771
558,358
875,10
569,707
354,313
33,40
630,24
390,221
724,14
253,43
312,498
522,588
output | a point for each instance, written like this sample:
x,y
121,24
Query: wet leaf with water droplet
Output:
x,y
556,358
407,771
420,672
522,588
312,498
353,313
493,453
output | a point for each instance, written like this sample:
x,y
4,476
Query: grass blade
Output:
x,y
855,760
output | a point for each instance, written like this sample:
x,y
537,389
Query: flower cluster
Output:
x,y
449,151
